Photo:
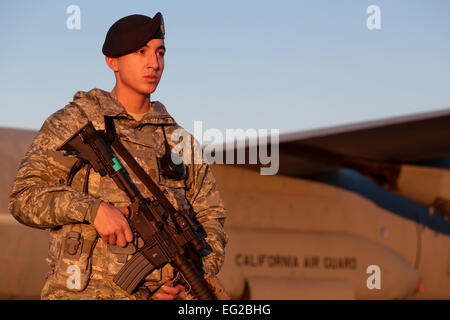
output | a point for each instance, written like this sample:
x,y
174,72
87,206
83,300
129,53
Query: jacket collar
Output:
x,y
110,106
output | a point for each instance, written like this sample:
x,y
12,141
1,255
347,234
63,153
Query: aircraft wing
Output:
x,y
405,139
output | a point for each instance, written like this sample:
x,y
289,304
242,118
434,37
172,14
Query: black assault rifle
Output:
x,y
177,243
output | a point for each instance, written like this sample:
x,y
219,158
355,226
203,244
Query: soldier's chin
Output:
x,y
150,89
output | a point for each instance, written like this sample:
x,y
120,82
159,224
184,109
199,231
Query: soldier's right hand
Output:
x,y
112,225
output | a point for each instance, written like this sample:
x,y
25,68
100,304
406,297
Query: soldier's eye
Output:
x,y
141,51
161,53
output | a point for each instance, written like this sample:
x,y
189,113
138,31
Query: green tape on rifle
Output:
x,y
117,165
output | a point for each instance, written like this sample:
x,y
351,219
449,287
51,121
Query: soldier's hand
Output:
x,y
112,225
168,292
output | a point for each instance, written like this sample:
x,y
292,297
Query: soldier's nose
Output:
x,y
152,62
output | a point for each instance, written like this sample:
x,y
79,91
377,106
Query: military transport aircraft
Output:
x,y
355,212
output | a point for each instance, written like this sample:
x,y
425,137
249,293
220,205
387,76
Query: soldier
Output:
x,y
55,191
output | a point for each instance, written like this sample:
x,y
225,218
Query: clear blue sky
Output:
x,y
291,65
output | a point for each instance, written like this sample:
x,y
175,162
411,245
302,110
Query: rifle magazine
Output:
x,y
132,273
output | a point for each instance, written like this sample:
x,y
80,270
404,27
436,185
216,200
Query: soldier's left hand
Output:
x,y
169,293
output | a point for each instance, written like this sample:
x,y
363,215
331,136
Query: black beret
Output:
x,y
132,32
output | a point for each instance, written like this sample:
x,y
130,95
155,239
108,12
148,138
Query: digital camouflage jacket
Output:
x,y
42,197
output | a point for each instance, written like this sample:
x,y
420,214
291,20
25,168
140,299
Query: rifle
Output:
x,y
178,243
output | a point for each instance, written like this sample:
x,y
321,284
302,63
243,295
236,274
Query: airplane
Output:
x,y
358,211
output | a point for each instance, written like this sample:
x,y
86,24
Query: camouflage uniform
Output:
x,y
42,198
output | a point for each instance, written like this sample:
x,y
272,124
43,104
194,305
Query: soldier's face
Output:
x,y
141,71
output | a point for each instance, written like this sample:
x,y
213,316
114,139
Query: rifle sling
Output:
x,y
135,167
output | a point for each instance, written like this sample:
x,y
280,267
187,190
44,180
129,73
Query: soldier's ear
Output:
x,y
112,63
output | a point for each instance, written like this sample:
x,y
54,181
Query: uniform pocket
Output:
x,y
171,183
174,190
74,264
